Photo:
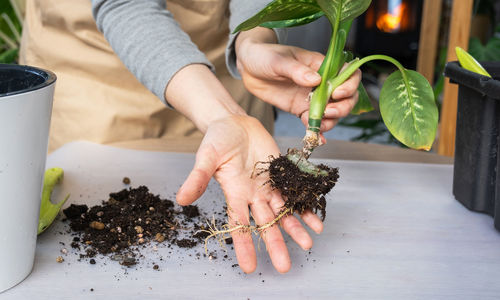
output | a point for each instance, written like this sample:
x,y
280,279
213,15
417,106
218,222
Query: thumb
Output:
x,y
197,181
298,72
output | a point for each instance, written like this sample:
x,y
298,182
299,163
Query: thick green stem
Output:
x,y
298,158
331,66
317,110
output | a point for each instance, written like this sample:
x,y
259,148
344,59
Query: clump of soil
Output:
x,y
302,191
131,218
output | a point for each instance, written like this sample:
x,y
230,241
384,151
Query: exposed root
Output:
x,y
258,171
223,233
263,227
311,140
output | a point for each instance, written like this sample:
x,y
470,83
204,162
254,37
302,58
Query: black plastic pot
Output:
x,y
476,175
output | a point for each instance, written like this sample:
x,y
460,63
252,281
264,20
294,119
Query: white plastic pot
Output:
x,y
25,109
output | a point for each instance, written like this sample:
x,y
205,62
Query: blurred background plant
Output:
x,y
11,24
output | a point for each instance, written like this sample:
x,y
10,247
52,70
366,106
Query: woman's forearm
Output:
x,y
195,92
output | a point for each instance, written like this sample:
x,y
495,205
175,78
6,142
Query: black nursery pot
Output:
x,y
476,175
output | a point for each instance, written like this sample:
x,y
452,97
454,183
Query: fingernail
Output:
x,y
339,94
311,76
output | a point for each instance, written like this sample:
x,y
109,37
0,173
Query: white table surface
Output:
x,y
393,231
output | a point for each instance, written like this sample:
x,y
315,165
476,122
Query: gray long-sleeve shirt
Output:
x,y
149,41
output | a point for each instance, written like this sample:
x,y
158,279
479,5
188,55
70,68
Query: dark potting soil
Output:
x,y
131,217
301,191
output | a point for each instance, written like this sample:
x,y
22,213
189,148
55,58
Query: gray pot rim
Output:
x,y
48,77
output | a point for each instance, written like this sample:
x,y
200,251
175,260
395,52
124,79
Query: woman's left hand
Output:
x,y
284,76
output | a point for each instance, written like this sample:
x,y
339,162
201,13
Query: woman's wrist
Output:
x,y
195,92
255,35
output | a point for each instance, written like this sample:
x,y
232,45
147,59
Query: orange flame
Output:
x,y
391,21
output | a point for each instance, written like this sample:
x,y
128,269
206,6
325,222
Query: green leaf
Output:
x,y
408,109
293,22
5,7
364,104
349,9
49,211
469,63
282,10
9,56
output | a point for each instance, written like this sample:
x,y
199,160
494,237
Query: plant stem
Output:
x,y
320,92
331,66
334,83
298,158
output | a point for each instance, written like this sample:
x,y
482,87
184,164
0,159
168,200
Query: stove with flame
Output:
x,y
390,27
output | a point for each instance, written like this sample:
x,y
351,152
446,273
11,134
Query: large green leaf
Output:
x,y
364,104
408,109
349,9
293,22
282,10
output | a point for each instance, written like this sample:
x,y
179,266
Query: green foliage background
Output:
x,y
9,50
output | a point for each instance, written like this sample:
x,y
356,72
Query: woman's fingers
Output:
x,y
341,108
242,238
348,88
326,124
290,224
299,73
272,237
313,221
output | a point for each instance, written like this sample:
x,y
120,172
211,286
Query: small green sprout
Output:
x,y
470,63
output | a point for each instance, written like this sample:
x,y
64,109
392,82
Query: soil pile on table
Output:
x,y
129,219
302,191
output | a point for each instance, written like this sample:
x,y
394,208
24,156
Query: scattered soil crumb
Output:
x,y
186,243
190,211
126,180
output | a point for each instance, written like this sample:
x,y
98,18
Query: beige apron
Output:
x,y
97,98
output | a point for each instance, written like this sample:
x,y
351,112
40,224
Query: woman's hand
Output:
x,y
229,151
284,76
